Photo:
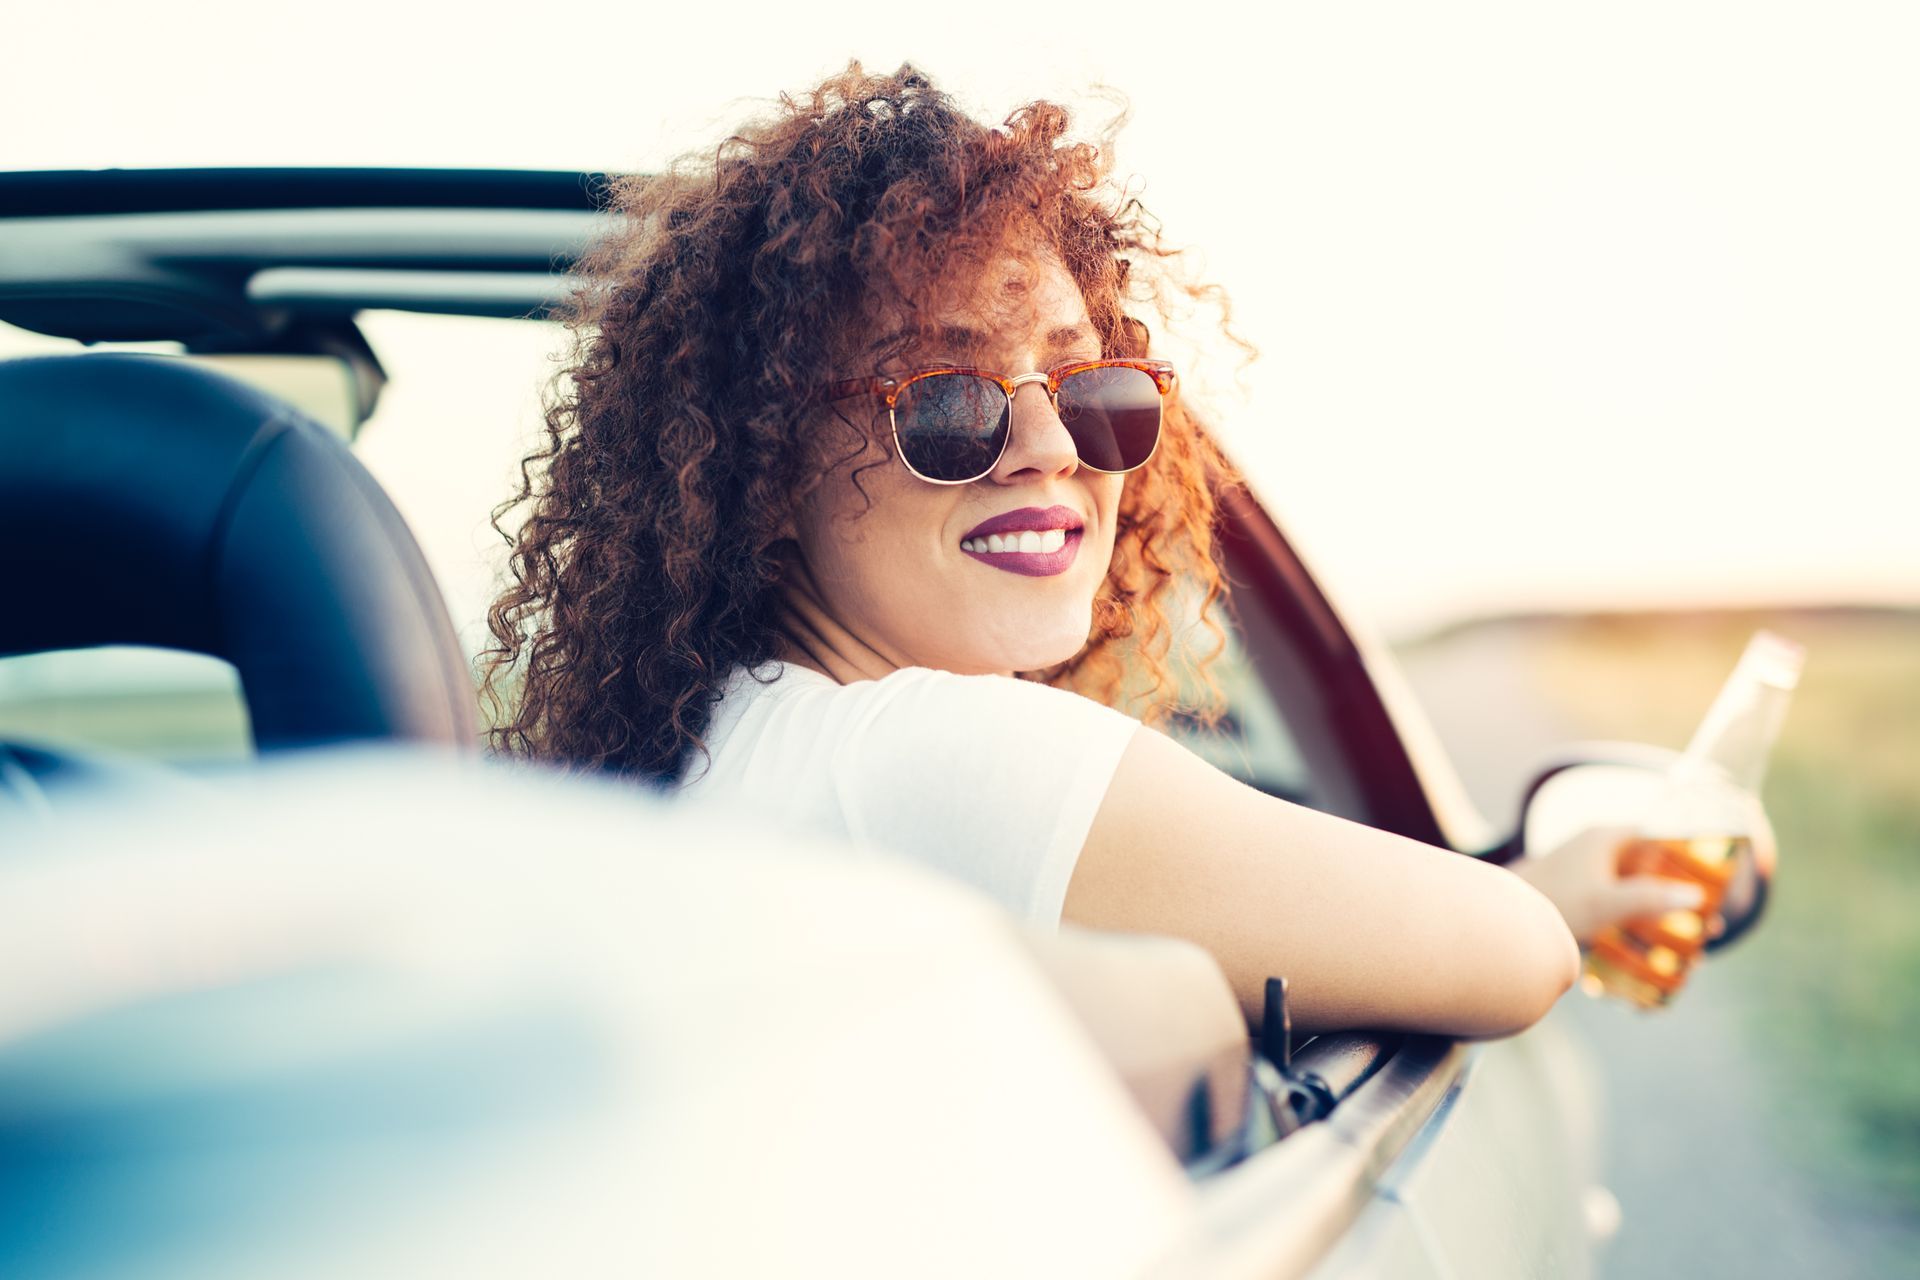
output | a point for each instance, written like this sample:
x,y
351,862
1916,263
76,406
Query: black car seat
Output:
x,y
145,500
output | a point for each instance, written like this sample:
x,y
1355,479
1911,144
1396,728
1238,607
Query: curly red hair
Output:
x,y
688,419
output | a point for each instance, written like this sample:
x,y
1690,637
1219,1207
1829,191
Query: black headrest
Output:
x,y
145,500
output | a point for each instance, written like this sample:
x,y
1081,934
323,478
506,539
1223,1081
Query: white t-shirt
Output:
x,y
992,780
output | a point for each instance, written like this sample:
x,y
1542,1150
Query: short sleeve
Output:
x,y
992,780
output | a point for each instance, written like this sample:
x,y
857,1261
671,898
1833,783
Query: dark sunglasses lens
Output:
x,y
951,426
1113,415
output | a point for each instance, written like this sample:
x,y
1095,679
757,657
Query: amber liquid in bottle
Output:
x,y
1647,960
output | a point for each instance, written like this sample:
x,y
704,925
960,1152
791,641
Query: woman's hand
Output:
x,y
1583,879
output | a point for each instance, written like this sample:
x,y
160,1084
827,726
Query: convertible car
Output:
x,y
188,370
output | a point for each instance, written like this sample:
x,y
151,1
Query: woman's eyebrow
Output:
x,y
960,340
1059,340
1071,337
957,337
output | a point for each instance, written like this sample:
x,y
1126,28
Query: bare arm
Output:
x,y
1372,929
1162,1012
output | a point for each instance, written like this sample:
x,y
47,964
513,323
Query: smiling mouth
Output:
x,y
1029,542
1032,542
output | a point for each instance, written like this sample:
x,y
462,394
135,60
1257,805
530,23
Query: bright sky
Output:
x,y
1581,305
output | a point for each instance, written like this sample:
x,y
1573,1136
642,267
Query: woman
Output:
x,y
866,502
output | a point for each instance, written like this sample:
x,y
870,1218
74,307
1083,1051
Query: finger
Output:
x,y
1599,848
1652,896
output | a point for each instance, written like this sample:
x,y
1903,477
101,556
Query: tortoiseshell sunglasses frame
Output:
x,y
1164,379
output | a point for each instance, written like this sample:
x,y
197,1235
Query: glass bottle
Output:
x,y
1699,828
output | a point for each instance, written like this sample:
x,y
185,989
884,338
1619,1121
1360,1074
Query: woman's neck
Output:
x,y
810,637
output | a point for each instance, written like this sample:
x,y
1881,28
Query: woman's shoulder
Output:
x,y
993,779
787,719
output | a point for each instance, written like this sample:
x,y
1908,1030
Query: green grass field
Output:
x,y
1832,977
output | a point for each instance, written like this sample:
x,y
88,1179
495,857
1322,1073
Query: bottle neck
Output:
x,y
1737,737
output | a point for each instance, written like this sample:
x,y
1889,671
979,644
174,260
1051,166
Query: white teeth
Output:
x,y
1026,542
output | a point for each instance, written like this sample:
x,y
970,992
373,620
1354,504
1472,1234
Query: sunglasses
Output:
x,y
951,424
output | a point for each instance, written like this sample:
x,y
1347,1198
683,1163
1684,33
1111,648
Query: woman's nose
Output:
x,y
1038,444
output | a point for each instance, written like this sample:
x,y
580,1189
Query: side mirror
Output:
x,y
1612,784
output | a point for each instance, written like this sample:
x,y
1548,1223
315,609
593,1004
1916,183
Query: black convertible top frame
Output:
x,y
68,192
253,259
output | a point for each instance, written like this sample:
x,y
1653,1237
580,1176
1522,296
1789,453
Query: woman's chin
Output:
x,y
1034,653
987,638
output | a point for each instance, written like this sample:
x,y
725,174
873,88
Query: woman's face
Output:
x,y
907,570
